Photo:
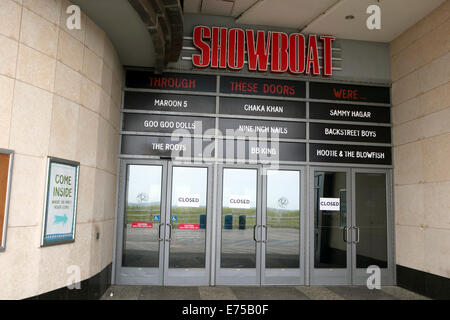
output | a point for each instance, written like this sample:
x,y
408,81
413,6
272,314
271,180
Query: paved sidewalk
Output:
x,y
258,293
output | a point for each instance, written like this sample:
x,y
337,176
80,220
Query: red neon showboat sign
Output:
x,y
223,48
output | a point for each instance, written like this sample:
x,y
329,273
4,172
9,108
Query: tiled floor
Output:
x,y
258,293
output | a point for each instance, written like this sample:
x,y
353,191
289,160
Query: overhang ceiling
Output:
x,y
124,27
321,16
135,47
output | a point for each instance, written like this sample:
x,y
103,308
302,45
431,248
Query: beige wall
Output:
x,y
420,63
60,95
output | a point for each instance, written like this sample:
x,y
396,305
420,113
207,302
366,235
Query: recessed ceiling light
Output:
x,y
349,17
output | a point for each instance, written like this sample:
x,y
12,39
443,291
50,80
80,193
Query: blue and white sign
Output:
x,y
174,218
156,218
60,202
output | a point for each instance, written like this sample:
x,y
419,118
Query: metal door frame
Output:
x,y
330,276
188,276
360,275
285,276
138,275
236,276
213,274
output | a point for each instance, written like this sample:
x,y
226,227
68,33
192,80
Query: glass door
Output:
x,y
351,227
283,243
330,243
239,226
372,226
164,224
141,227
188,239
260,237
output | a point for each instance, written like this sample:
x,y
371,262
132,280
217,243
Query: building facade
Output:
x,y
197,170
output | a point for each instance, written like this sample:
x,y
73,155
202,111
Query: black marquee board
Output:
x,y
263,87
340,153
170,81
150,111
348,92
352,133
262,107
167,146
151,101
167,124
262,128
262,150
349,112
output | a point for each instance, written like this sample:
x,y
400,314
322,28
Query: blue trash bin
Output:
x,y
203,221
228,223
242,219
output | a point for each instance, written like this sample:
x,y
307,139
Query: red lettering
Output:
x,y
225,48
236,49
275,64
313,56
287,90
201,60
170,82
284,53
296,53
244,87
337,93
292,91
327,55
215,62
346,94
278,89
156,82
258,59
279,52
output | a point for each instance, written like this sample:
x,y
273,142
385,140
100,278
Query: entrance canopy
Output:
x,y
345,19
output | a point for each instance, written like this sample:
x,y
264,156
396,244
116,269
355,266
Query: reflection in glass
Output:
x,y
238,218
283,219
330,249
370,197
142,216
188,217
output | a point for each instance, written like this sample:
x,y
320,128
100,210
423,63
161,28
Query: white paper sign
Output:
x,y
191,200
330,204
239,202
61,203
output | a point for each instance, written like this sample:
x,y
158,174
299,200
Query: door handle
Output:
x,y
357,233
159,232
254,233
345,234
265,233
170,231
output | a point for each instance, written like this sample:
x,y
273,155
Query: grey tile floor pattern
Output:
x,y
258,293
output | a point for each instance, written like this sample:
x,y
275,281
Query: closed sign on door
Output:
x,y
189,200
239,202
330,204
